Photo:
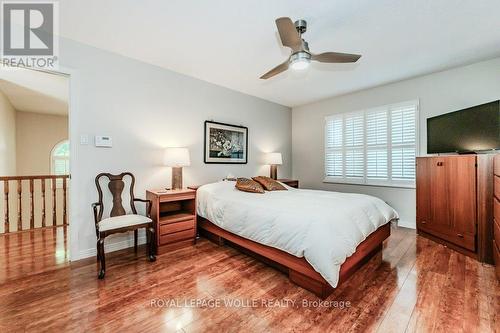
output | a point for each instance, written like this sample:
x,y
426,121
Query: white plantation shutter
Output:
x,y
353,144
354,163
334,162
353,130
403,120
375,146
376,164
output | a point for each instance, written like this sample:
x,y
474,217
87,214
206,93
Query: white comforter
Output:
x,y
324,227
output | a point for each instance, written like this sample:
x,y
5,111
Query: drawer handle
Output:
x,y
460,235
423,222
439,163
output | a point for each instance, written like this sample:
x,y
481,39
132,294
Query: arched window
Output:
x,y
59,158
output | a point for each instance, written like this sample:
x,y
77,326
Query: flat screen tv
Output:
x,y
469,130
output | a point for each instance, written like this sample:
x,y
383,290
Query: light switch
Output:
x,y
103,141
84,139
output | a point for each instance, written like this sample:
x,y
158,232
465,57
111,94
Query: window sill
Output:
x,y
342,182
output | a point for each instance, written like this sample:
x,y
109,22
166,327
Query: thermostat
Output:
x,y
103,141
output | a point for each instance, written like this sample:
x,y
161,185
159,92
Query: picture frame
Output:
x,y
225,143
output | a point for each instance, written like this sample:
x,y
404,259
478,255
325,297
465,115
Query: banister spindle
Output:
x,y
54,217
43,203
32,205
6,199
19,206
65,217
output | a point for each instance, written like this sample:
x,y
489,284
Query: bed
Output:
x,y
319,238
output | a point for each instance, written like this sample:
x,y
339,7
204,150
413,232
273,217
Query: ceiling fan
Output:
x,y
291,36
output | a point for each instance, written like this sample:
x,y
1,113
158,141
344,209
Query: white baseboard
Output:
x,y
111,247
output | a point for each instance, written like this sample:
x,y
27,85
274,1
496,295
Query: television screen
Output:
x,y
468,130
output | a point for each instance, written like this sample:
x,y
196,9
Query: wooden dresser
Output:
x,y
174,217
496,214
454,205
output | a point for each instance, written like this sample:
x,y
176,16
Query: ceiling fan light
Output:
x,y
300,60
300,65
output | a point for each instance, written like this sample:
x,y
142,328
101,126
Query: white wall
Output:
x,y
7,137
36,136
438,93
146,108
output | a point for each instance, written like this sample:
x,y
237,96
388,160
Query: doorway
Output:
x,y
34,171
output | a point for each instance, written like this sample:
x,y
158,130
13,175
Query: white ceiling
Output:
x,y
33,91
232,42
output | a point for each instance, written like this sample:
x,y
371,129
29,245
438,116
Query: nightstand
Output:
x,y
174,217
290,182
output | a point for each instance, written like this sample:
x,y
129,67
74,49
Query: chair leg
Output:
x,y
102,259
135,240
151,243
98,252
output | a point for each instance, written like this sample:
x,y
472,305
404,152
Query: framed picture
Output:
x,y
225,144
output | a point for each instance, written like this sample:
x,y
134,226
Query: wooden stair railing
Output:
x,y
32,182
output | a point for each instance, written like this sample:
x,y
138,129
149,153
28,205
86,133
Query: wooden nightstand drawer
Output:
x,y
176,197
176,227
175,217
177,236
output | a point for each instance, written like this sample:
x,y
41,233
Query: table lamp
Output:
x,y
176,158
273,159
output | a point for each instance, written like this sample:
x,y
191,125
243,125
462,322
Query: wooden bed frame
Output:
x,y
298,269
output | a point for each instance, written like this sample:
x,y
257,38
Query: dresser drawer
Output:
x,y
497,187
496,209
496,164
496,231
177,236
465,240
176,227
496,258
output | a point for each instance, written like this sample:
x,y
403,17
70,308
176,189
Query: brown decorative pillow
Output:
x,y
269,184
248,185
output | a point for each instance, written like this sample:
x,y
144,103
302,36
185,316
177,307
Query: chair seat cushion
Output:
x,y
122,221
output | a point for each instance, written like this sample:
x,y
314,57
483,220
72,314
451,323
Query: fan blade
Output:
x,y
334,57
288,34
276,70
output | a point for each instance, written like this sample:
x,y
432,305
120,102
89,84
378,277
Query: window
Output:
x,y
374,147
60,160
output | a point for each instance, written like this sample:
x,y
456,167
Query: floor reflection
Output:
x,y
33,251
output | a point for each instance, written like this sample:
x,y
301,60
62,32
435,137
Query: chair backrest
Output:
x,y
116,185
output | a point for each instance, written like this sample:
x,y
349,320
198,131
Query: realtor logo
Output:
x,y
29,34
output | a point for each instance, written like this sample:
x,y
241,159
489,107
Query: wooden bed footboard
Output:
x,y
298,269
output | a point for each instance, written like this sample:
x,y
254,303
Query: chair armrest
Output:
x,y
148,205
96,211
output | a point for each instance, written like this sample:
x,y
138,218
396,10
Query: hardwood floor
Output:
x,y
32,252
419,286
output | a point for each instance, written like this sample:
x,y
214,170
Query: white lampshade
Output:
x,y
176,157
273,159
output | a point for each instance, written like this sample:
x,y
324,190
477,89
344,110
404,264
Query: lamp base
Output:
x,y
274,171
176,178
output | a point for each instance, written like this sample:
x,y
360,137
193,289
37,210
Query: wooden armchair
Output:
x,y
119,220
